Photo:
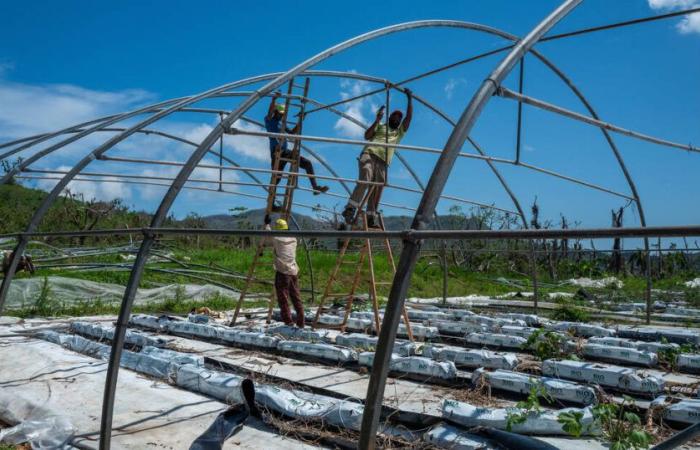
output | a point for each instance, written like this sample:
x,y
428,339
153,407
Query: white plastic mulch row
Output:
x,y
187,371
471,358
654,347
622,378
621,354
537,423
522,383
684,411
580,329
676,335
417,365
132,337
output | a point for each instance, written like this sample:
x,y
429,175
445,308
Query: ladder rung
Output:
x,y
299,86
288,159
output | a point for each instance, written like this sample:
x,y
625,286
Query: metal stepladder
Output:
x,y
363,255
275,191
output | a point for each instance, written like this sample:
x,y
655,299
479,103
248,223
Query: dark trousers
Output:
x,y
304,163
287,286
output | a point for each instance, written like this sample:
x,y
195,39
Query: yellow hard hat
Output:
x,y
281,224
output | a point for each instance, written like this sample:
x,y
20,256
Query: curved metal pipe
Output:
x,y
147,243
438,179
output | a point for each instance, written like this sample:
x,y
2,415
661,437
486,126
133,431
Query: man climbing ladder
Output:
x,y
273,119
374,161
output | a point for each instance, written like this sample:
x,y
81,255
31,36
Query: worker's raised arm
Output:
x,y
273,103
409,110
369,133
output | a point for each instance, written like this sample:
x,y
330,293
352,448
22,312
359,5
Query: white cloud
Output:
x,y
451,85
29,109
255,147
689,23
359,109
103,188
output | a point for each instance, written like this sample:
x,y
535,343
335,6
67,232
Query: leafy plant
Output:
x,y
668,357
571,313
571,422
620,427
545,344
528,406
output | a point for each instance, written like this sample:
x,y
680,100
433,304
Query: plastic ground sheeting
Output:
x,y
685,410
620,354
251,338
41,428
654,347
581,329
150,322
290,332
677,335
688,362
132,337
220,385
194,329
414,365
471,358
318,350
25,291
447,436
622,378
536,423
495,340
523,383
457,327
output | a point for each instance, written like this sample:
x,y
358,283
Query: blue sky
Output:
x,y
66,62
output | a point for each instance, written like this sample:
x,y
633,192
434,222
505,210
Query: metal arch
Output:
x,y
479,27
147,243
426,208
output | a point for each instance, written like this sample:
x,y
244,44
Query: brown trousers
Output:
x,y
370,168
287,286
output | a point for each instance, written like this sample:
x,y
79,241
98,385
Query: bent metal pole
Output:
x,y
426,208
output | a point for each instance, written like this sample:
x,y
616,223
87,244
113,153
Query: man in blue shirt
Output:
x,y
272,124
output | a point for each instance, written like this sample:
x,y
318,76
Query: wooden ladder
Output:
x,y
298,103
365,254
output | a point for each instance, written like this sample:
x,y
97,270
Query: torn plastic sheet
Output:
x,y
677,335
173,356
537,423
597,284
448,436
132,337
523,332
622,378
318,350
521,383
198,318
471,358
622,354
495,340
688,362
414,365
581,329
33,424
653,347
418,331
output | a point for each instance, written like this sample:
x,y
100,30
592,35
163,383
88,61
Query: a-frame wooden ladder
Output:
x,y
365,253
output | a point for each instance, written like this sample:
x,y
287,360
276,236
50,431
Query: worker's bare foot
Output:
x,y
320,189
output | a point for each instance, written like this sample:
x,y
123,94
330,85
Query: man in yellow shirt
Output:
x,y
374,160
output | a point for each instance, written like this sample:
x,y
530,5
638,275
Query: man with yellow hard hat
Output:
x,y
273,120
286,273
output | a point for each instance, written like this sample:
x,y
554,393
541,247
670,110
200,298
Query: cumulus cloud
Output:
x,y
359,109
28,109
689,23
255,147
451,85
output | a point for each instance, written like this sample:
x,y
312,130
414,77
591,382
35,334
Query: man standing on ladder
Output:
x,y
272,124
286,274
374,161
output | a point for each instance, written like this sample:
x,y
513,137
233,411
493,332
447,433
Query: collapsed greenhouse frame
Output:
x,y
423,215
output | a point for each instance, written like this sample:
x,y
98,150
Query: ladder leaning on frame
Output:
x,y
286,194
